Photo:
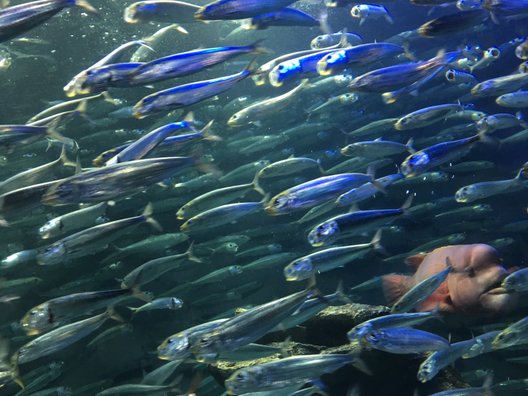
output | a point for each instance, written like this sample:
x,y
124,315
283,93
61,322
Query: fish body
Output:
x,y
61,310
170,11
349,223
72,221
327,40
283,17
59,338
500,85
249,326
367,190
370,12
360,55
264,109
294,370
517,99
516,281
426,116
186,95
482,190
17,20
395,77
324,260
219,216
186,63
401,340
438,154
471,288
113,181
314,192
442,358
239,9
89,241
452,23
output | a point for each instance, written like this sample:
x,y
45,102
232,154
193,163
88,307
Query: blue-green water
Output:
x,y
33,75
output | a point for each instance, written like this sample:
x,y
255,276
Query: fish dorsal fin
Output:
x,y
415,260
395,286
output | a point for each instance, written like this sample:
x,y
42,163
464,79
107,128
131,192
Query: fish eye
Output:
x,y
280,67
470,272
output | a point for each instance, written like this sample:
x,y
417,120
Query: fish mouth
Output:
x,y
497,288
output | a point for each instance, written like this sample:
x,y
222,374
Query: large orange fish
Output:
x,y
473,287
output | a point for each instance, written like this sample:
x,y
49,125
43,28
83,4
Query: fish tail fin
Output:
x,y
190,254
140,294
85,5
252,67
147,215
409,146
312,289
112,314
362,366
522,174
52,132
407,204
371,171
65,160
179,28
15,372
208,135
376,242
257,48
388,17
394,286
109,99
256,185
519,115
340,294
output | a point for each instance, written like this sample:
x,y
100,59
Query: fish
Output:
x,y
421,291
327,40
294,370
482,190
359,55
370,11
171,11
403,340
472,287
187,63
352,223
314,192
60,338
438,154
91,240
452,23
442,358
282,17
238,9
187,94
113,181
19,19
328,259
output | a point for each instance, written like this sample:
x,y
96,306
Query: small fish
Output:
x,y
357,333
359,55
500,85
376,148
370,12
187,94
60,338
17,20
438,154
327,40
403,340
314,192
516,281
170,11
219,216
186,63
72,221
294,370
238,9
514,334
452,23
482,190
442,358
283,17
421,291
171,303
327,259
426,116
353,223
517,99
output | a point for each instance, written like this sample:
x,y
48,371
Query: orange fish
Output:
x,y
473,287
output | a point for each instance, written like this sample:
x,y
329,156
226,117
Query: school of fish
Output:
x,y
208,169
